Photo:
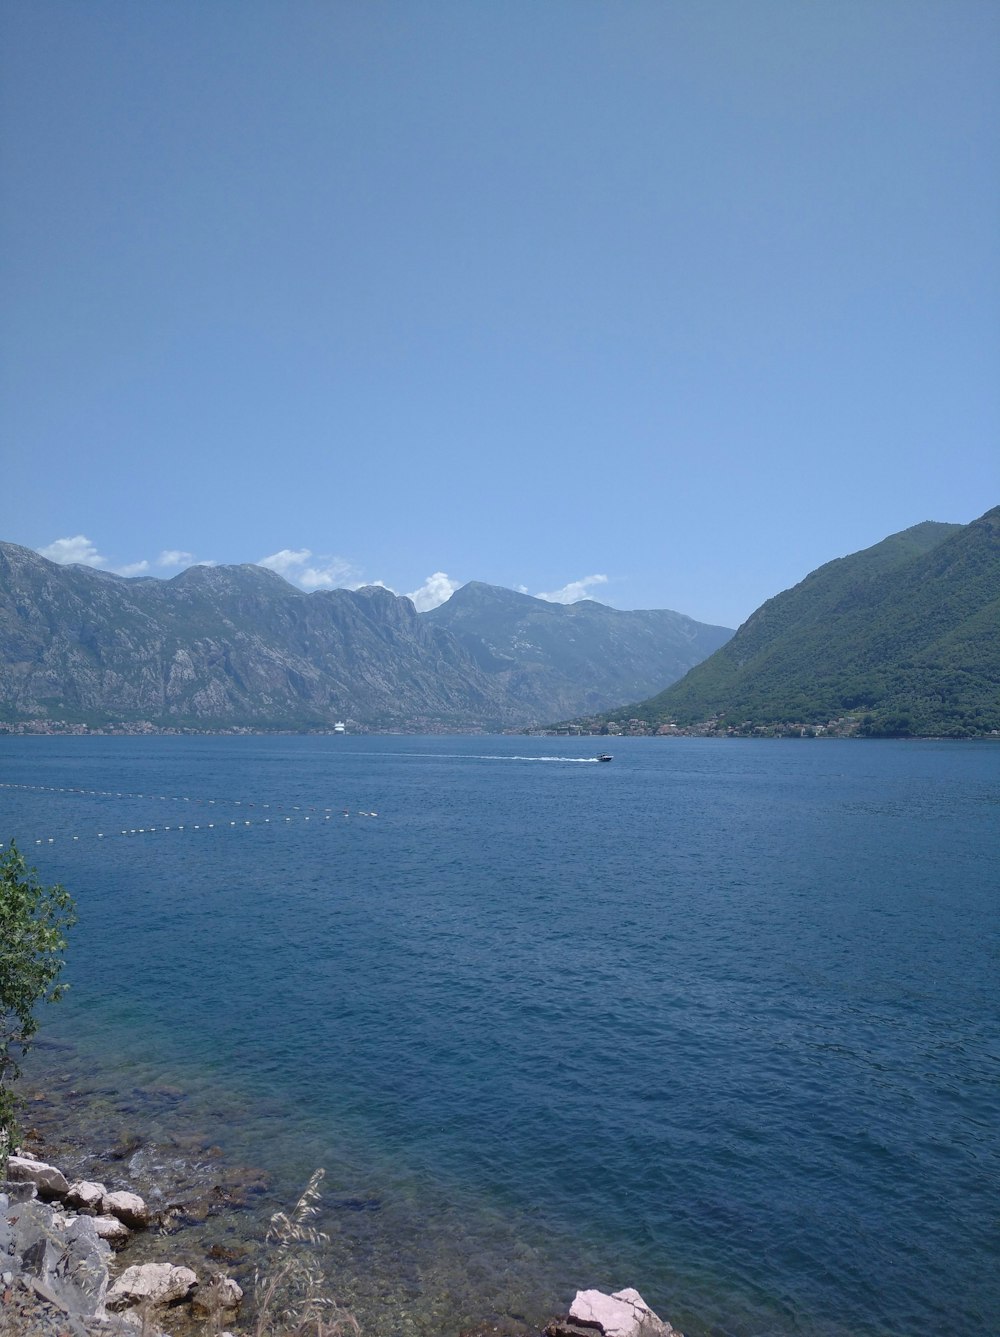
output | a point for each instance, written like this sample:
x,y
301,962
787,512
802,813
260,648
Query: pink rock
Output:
x,y
623,1314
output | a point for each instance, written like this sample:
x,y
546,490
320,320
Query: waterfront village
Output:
x,y
847,726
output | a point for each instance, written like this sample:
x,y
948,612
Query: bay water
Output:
x,y
718,1020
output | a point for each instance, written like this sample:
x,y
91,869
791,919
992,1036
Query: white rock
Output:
x,y
85,1195
50,1181
155,1283
623,1314
114,1231
128,1207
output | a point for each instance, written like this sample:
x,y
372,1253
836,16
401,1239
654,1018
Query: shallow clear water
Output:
x,y
718,1020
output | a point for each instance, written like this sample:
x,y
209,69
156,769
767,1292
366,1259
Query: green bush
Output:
x,y
34,921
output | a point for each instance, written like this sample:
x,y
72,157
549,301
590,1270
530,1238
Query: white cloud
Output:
x,y
436,589
333,575
75,550
367,584
176,557
79,550
286,560
308,571
575,590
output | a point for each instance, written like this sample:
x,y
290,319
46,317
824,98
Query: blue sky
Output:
x,y
667,303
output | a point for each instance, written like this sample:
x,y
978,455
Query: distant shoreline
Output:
x,y
146,729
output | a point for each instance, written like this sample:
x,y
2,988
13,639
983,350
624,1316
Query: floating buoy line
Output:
x,y
285,813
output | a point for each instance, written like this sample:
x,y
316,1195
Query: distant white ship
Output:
x,y
340,727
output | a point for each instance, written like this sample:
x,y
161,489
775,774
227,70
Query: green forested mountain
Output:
x,y
906,635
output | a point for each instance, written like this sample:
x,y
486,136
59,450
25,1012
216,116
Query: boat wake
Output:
x,y
483,756
575,761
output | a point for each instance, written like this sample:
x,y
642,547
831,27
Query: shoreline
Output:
x,y
208,1212
799,730
197,1201
196,1204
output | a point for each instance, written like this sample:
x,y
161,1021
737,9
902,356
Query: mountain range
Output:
x,y
905,635
218,647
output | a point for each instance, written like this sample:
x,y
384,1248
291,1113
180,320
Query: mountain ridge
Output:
x,y
608,648
218,646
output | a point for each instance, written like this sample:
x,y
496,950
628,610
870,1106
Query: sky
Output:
x,y
664,303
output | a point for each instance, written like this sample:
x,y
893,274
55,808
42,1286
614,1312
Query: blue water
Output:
x,y
718,1020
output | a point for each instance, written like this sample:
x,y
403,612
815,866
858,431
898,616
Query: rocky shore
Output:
x,y
164,1240
59,1278
57,1242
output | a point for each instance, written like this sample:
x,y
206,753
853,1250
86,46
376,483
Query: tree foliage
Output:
x,y
34,921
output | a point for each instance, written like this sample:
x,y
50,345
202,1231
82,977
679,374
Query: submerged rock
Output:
x,y
506,1328
219,1294
114,1232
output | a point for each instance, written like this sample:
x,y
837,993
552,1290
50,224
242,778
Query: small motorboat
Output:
x,y
605,756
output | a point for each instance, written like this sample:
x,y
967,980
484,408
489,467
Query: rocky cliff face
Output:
x,y
219,646
567,658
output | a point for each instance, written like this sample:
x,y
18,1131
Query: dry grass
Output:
x,y
291,1293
